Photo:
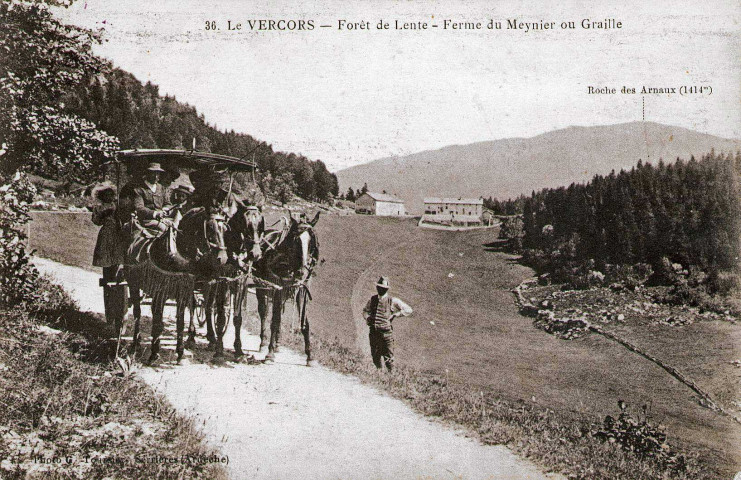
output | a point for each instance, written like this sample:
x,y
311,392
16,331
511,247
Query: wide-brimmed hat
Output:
x,y
155,167
383,282
185,189
209,179
101,188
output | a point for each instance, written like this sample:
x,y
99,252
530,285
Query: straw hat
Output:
x,y
383,282
155,167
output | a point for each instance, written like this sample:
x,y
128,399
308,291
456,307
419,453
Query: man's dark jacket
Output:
x,y
146,202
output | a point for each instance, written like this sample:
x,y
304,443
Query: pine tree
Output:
x,y
688,212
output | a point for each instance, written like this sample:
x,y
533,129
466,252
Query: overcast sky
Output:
x,y
348,97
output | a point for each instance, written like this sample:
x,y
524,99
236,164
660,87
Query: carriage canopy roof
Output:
x,y
185,159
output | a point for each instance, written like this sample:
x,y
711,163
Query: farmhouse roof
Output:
x,y
457,201
384,197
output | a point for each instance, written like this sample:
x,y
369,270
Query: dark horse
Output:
x,y
280,269
290,265
243,238
167,267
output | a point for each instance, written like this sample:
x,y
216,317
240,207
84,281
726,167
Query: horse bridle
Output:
x,y
221,225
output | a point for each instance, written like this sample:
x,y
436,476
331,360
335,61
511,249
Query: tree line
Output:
x,y
505,207
351,195
140,117
688,212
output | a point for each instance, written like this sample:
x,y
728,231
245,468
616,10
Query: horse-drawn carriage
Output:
x,y
206,252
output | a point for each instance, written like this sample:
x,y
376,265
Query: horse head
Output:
x,y
303,247
201,237
214,228
244,235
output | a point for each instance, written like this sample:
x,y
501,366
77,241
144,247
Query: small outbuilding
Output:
x,y
383,204
488,218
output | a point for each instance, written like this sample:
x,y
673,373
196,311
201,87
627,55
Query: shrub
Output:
x,y
639,436
17,275
513,231
629,276
696,276
537,259
725,283
595,278
582,278
50,299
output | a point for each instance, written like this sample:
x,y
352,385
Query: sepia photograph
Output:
x,y
354,240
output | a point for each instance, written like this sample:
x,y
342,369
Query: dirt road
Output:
x,y
287,420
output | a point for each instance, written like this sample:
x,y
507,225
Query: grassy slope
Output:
x,y
480,340
68,238
61,401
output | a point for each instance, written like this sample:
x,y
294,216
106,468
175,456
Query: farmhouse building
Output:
x,y
371,203
454,210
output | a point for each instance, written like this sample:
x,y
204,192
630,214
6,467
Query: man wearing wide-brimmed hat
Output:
x,y
379,314
179,195
211,187
151,199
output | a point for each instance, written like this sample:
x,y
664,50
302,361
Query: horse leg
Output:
x,y
180,326
237,325
158,307
137,311
307,334
190,343
220,302
208,305
274,328
276,318
263,308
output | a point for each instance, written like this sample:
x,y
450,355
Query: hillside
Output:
x,y
509,167
140,117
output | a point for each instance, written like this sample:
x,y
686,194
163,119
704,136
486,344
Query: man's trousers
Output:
x,y
382,348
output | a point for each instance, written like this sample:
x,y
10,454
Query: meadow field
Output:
x,y
478,338
466,327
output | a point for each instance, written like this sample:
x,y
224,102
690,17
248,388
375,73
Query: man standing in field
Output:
x,y
379,313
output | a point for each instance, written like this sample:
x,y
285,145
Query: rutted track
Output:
x,y
357,301
288,421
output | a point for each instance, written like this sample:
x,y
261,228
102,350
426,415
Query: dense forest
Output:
x,y
505,207
687,212
140,117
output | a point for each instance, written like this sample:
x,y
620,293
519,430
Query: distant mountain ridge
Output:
x,y
513,166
